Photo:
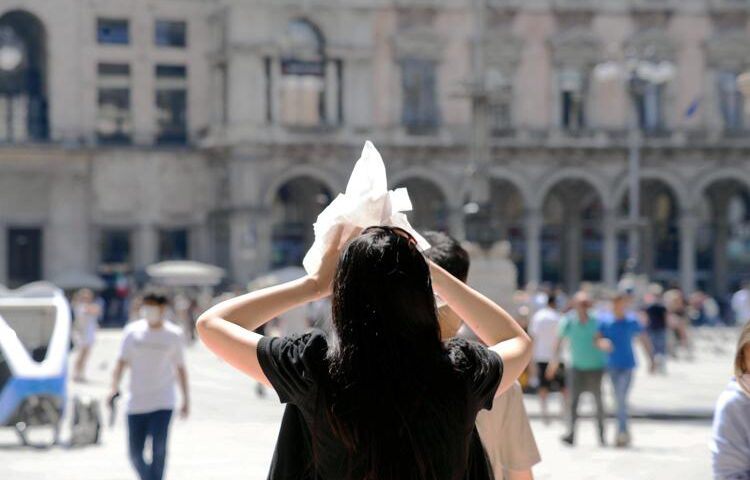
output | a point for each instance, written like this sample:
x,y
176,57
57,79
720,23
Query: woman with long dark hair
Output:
x,y
384,399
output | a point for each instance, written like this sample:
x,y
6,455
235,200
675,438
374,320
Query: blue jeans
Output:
x,y
621,379
156,425
659,341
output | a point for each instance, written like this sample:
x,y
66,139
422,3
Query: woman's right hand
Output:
x,y
339,237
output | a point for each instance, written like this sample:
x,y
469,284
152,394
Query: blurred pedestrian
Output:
x,y
153,350
86,315
617,334
741,304
678,322
656,325
543,330
730,442
580,328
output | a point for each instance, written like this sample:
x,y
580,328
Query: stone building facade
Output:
x,y
218,129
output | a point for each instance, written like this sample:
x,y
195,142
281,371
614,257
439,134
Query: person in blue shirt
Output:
x,y
616,334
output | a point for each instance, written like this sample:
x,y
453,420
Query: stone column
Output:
x,y
456,222
688,229
146,245
3,253
533,232
721,265
609,251
571,243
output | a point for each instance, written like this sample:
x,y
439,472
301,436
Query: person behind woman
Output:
x,y
386,399
730,443
86,313
504,431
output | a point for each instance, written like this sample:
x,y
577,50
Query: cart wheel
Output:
x,y
20,429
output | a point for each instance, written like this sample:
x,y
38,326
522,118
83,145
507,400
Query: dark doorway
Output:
x,y
24,256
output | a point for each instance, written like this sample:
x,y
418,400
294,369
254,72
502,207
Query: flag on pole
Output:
x,y
693,107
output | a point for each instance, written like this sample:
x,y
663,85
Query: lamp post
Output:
x,y
637,74
11,57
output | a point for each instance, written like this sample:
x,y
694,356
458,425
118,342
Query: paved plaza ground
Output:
x,y
231,432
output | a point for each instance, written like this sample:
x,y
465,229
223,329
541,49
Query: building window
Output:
x,y
170,33
112,31
420,113
171,104
114,246
173,244
572,96
649,103
730,101
305,87
500,102
114,121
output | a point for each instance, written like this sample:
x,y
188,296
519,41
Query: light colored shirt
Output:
x,y
506,434
730,441
153,356
543,328
583,352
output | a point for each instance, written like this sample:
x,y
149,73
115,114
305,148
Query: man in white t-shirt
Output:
x,y
543,328
153,350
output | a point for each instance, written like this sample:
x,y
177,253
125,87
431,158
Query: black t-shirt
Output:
x,y
295,366
657,316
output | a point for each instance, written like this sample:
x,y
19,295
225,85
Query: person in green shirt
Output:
x,y
580,327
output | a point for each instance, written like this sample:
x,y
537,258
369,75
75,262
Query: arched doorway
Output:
x,y
501,218
723,240
23,78
295,208
430,206
572,234
659,234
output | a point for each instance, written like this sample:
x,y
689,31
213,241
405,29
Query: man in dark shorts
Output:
x,y
656,313
543,329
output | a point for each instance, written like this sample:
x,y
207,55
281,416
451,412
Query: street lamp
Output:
x,y
11,58
637,74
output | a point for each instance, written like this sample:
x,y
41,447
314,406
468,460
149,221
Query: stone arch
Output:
x,y
676,185
521,183
546,184
722,210
451,194
701,182
429,198
296,204
330,179
572,231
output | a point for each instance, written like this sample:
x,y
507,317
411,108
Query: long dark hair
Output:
x,y
386,401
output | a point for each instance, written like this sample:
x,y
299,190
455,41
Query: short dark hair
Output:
x,y
155,296
448,253
551,299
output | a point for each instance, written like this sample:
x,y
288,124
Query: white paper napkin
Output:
x,y
367,202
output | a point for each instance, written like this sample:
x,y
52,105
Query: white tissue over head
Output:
x,y
366,202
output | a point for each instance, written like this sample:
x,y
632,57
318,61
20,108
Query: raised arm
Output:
x,y
493,325
227,328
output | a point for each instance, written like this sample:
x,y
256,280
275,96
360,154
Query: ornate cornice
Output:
x,y
651,44
576,48
729,51
418,42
